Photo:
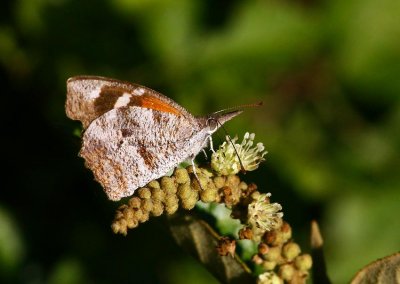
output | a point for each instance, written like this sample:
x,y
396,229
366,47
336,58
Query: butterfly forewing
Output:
x,y
89,97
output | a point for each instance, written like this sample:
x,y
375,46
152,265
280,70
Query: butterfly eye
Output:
x,y
213,124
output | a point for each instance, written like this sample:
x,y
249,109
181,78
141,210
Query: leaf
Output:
x,y
384,270
200,240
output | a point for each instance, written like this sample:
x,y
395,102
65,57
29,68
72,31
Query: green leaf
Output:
x,y
200,240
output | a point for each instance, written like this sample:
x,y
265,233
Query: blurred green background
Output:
x,y
328,73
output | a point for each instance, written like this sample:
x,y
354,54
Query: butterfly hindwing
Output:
x,y
128,147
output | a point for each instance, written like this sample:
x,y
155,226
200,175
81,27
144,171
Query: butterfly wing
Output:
x,y
89,97
133,134
128,147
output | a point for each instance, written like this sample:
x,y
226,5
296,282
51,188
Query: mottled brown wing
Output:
x,y
128,147
89,97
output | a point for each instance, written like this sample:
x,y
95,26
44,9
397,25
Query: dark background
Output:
x,y
327,72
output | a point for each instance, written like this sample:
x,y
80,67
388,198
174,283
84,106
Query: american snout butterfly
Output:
x,y
132,134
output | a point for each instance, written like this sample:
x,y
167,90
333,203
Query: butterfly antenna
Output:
x,y
239,107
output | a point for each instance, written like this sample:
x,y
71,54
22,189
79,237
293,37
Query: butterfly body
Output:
x,y
132,134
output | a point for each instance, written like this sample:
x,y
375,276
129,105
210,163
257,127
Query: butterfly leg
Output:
x,y
205,153
195,173
211,144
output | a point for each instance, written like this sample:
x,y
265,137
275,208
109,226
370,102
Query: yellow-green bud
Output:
x,y
115,227
144,193
286,271
168,185
132,223
268,265
286,232
147,205
170,199
128,213
181,176
171,203
134,202
138,214
255,195
290,251
190,202
153,184
274,254
208,195
232,180
157,194
303,262
171,209
242,186
273,238
144,218
119,215
158,209
219,182
123,226
184,191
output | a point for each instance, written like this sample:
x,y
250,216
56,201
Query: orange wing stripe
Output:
x,y
151,102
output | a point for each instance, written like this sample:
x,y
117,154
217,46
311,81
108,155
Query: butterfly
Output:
x,y
132,134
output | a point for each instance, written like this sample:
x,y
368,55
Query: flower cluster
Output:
x,y
263,215
182,189
231,157
278,255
